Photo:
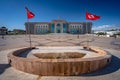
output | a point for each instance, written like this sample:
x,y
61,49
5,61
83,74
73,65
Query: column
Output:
x,y
55,28
61,27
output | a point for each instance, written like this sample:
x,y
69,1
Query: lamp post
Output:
x,y
78,31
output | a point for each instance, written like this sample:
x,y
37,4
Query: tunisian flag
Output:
x,y
29,13
90,16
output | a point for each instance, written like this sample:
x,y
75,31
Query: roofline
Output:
x,y
51,22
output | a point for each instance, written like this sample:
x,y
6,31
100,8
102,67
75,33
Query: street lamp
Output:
x,y
78,31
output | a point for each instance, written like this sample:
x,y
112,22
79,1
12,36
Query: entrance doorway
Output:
x,y
58,28
58,31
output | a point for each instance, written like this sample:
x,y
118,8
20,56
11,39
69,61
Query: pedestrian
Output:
x,y
115,36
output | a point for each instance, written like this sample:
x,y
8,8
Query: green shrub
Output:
x,y
101,33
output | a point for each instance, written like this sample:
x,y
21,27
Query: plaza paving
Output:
x,y
17,41
10,43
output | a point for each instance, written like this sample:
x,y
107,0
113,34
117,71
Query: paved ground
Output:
x,y
9,73
111,72
17,41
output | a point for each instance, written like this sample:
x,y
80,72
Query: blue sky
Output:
x,y
13,13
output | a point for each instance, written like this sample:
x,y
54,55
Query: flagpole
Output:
x,y
29,34
90,16
87,42
29,16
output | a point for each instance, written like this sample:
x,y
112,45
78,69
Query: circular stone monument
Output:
x,y
59,62
65,55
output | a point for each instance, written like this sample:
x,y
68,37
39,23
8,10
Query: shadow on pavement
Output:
x,y
112,67
3,67
116,43
24,54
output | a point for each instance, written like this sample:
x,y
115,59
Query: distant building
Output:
x,y
58,26
3,30
111,33
19,31
10,32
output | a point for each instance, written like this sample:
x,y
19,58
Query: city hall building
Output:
x,y
58,26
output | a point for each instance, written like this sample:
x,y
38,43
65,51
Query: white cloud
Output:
x,y
106,27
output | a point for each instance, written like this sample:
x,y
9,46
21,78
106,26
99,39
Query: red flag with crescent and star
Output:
x,y
90,16
29,13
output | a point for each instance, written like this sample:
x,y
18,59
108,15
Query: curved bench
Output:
x,y
59,67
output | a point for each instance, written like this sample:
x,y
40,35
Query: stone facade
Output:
x,y
58,26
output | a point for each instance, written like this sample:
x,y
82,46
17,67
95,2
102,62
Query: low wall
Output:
x,y
59,67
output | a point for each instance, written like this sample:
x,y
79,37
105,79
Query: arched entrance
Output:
x,y
58,28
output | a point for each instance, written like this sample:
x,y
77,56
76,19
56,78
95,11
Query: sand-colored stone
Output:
x,y
71,59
